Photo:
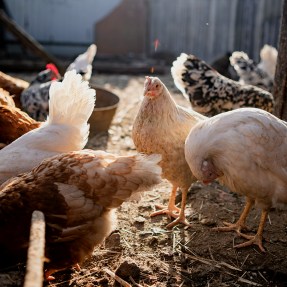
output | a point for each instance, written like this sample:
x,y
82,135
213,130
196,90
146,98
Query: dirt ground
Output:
x,y
144,253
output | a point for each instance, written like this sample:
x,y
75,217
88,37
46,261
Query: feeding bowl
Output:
x,y
104,111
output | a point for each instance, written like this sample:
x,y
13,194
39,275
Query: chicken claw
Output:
x,y
253,239
171,208
240,224
257,238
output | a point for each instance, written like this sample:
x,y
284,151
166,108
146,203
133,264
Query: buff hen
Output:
x,y
161,127
66,129
14,123
77,192
13,86
6,99
245,150
210,93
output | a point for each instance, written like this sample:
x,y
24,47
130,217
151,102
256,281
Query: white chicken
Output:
x,y
66,129
83,63
245,150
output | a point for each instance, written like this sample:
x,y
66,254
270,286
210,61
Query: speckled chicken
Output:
x,y
77,192
161,127
35,98
210,93
261,75
245,150
66,129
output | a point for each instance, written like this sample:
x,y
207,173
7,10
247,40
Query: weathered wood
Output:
x,y
35,261
28,41
280,81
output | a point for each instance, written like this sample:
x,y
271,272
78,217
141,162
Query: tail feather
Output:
x,y
177,69
268,55
83,63
144,173
71,102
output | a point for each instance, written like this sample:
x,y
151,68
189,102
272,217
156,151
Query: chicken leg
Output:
x,y
240,224
257,238
171,209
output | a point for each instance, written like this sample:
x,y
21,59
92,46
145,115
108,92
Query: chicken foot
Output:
x,y
171,209
48,273
181,218
258,237
240,224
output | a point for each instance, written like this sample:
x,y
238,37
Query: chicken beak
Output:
x,y
150,94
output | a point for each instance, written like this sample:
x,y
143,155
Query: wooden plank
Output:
x,y
35,261
28,41
280,81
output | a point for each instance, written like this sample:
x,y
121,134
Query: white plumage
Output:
x,y
71,104
246,150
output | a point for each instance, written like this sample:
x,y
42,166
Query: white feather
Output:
x,y
66,129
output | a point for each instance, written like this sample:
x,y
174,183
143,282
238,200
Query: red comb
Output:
x,y
54,69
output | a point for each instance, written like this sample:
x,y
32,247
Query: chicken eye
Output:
x,y
156,86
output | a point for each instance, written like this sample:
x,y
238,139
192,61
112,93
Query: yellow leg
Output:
x,y
257,238
240,224
171,208
181,218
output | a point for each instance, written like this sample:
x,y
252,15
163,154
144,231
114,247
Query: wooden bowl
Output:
x,y
104,111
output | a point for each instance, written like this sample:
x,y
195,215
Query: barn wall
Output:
x,y
206,28
210,28
67,22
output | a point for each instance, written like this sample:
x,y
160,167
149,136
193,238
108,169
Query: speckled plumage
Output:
x,y
77,193
35,99
211,93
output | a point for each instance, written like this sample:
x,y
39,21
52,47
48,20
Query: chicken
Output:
x,y
245,150
6,99
261,75
77,192
161,127
83,63
35,98
13,86
211,93
66,129
14,123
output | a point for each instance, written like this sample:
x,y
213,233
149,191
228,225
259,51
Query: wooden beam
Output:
x,y
36,250
28,41
280,81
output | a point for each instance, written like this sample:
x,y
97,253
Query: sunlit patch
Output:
x,y
152,70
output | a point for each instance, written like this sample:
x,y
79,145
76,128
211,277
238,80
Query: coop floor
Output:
x,y
194,256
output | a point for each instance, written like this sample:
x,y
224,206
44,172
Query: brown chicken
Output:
x,y
14,86
161,127
6,99
77,192
245,150
14,123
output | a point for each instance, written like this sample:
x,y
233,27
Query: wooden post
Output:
x,y
280,81
35,258
28,41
